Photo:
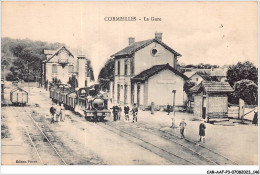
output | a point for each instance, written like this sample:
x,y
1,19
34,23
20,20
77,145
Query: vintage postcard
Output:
x,y
129,83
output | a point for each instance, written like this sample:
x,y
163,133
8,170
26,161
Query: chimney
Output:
x,y
158,36
131,40
81,71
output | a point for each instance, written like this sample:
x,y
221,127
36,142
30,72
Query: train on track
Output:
x,y
87,101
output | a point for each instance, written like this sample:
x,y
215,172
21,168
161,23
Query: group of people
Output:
x,y
183,124
57,113
117,110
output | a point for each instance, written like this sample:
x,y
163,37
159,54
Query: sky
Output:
x,y
202,32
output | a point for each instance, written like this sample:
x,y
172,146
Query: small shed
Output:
x,y
210,99
19,96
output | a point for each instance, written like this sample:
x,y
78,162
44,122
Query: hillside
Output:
x,y
25,55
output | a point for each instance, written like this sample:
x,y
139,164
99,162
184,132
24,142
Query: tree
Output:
x,y
242,71
25,57
186,88
73,82
246,90
106,73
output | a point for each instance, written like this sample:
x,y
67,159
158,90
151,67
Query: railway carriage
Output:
x,y
64,91
87,101
52,92
56,95
71,101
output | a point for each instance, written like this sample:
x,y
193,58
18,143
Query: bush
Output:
x,y
246,90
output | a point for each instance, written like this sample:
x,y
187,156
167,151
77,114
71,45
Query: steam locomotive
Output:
x,y
87,101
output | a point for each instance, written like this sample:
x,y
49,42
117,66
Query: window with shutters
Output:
x,y
132,93
132,66
118,67
118,93
126,67
125,95
54,68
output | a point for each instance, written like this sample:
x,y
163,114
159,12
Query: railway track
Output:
x,y
182,152
200,149
43,146
218,158
168,155
189,152
200,155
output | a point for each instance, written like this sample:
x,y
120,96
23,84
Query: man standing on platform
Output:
x,y
202,129
183,124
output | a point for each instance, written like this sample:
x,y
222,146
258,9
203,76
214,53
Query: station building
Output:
x,y
146,72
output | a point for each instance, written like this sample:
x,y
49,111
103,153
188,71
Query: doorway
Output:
x,y
204,107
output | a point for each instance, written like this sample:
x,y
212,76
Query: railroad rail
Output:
x,y
45,150
209,156
204,155
168,155
191,144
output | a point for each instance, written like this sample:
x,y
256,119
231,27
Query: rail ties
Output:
x,y
207,152
196,150
173,158
47,139
45,150
200,149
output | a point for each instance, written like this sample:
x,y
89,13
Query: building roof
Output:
x,y
189,74
195,88
131,49
18,89
144,75
56,52
212,87
218,73
207,74
73,52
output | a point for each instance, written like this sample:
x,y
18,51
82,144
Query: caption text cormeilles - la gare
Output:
x,y
132,18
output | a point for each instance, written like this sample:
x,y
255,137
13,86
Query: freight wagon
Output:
x,y
19,97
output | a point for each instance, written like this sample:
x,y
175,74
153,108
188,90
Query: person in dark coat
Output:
x,y
135,113
202,129
182,125
52,111
126,111
115,112
255,119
